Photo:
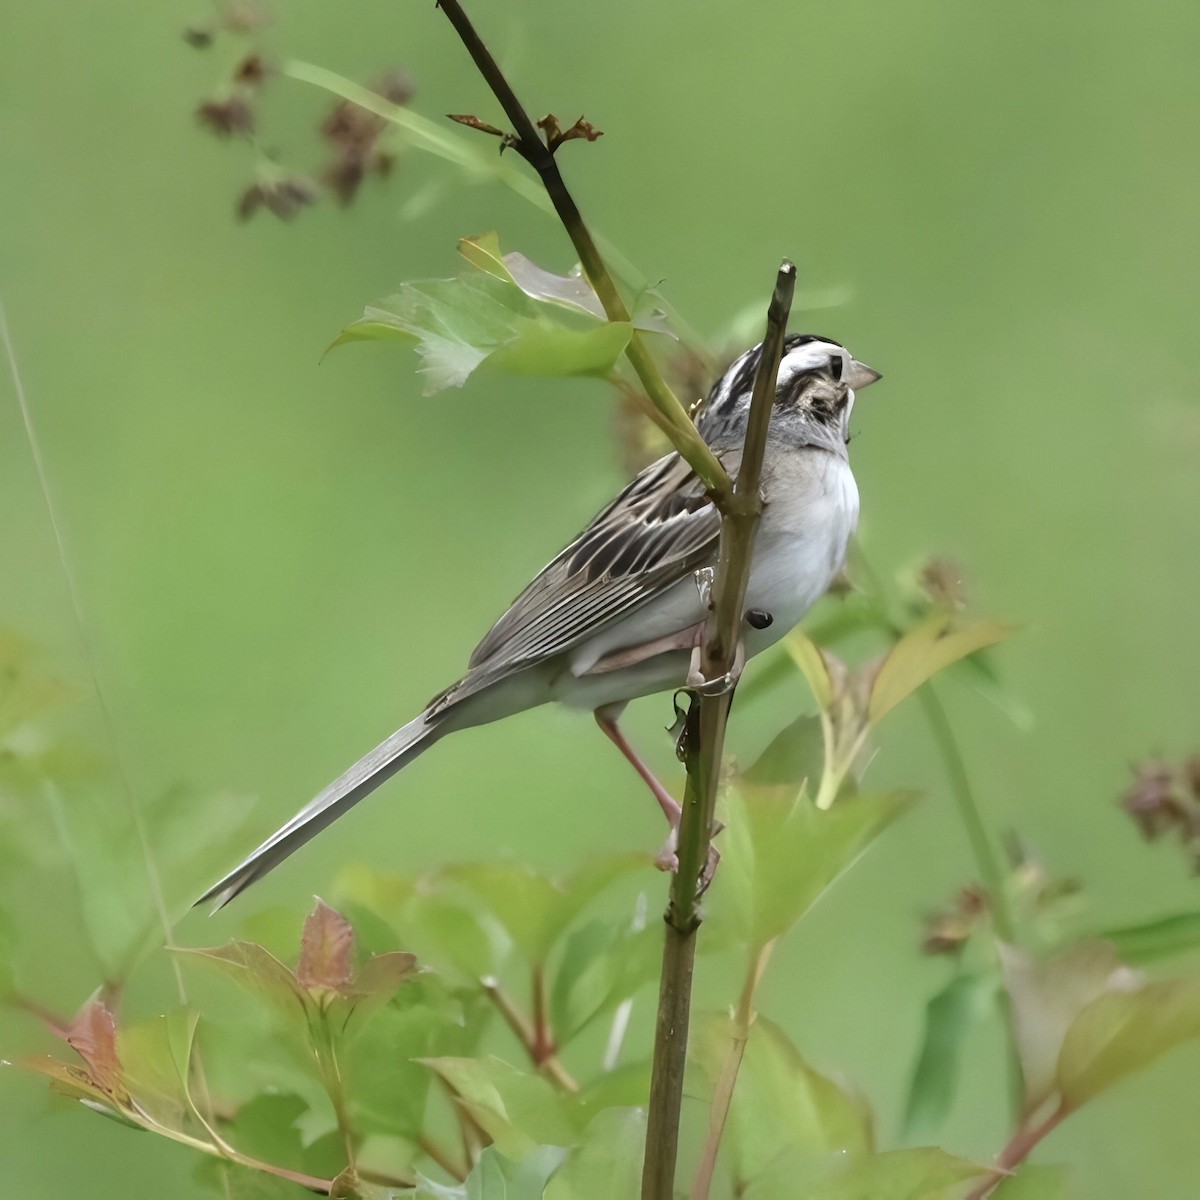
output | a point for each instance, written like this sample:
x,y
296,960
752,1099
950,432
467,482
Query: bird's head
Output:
x,y
814,394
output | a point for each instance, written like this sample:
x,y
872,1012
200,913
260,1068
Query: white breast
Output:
x,y
811,512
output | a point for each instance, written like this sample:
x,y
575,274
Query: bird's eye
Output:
x,y
836,363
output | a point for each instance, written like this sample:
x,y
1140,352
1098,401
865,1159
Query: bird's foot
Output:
x,y
696,682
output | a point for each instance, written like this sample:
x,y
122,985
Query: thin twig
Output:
x,y
718,1113
704,740
525,1030
667,412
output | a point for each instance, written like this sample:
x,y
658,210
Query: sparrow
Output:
x,y
617,614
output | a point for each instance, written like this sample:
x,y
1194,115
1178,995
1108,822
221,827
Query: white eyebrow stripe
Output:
x,y
810,357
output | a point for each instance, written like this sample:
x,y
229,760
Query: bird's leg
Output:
x,y
667,859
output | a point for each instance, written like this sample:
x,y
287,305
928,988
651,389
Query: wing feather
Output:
x,y
659,529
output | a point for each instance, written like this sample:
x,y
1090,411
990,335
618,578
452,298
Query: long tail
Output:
x,y
347,790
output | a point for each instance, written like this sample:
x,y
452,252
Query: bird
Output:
x,y
617,614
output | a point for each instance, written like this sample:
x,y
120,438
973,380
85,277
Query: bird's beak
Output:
x,y
860,375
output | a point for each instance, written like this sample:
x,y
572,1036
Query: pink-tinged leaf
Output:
x,y
93,1036
78,1084
326,950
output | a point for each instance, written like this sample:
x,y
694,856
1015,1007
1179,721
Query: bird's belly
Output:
x,y
800,548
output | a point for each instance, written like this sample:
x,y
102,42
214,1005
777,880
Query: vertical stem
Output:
x,y
986,862
703,742
668,413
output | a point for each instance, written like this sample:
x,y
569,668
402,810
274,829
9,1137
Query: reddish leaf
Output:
x,y
326,950
93,1036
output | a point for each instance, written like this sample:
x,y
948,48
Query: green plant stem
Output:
x,y
986,862
440,1155
703,741
718,1113
667,412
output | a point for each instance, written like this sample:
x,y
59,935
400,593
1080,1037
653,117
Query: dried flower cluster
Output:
x,y
1164,799
358,138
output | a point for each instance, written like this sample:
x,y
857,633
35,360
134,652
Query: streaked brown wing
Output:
x,y
657,531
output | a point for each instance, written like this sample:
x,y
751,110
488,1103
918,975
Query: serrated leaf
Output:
x,y
780,852
518,1111
780,1105
1033,1183
921,1174
1160,938
326,950
607,1163
459,324
922,652
1121,1032
949,1017
93,1036
255,969
1047,997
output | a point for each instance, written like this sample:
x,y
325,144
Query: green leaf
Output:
x,y
1033,1183
1160,938
795,755
459,324
1047,996
780,1104
949,1016
519,1112
921,1174
496,1177
924,651
780,852
608,1162
806,654
1121,1032
535,910
602,964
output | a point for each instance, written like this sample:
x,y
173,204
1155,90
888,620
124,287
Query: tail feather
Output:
x,y
343,793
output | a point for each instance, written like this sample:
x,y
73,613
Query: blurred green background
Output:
x,y
279,560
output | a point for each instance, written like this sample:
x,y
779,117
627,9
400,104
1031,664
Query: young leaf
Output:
x,y
794,756
924,651
781,852
1033,1183
949,1017
93,1036
780,1104
459,324
326,950
1047,997
806,654
921,1174
608,1162
258,971
1121,1032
